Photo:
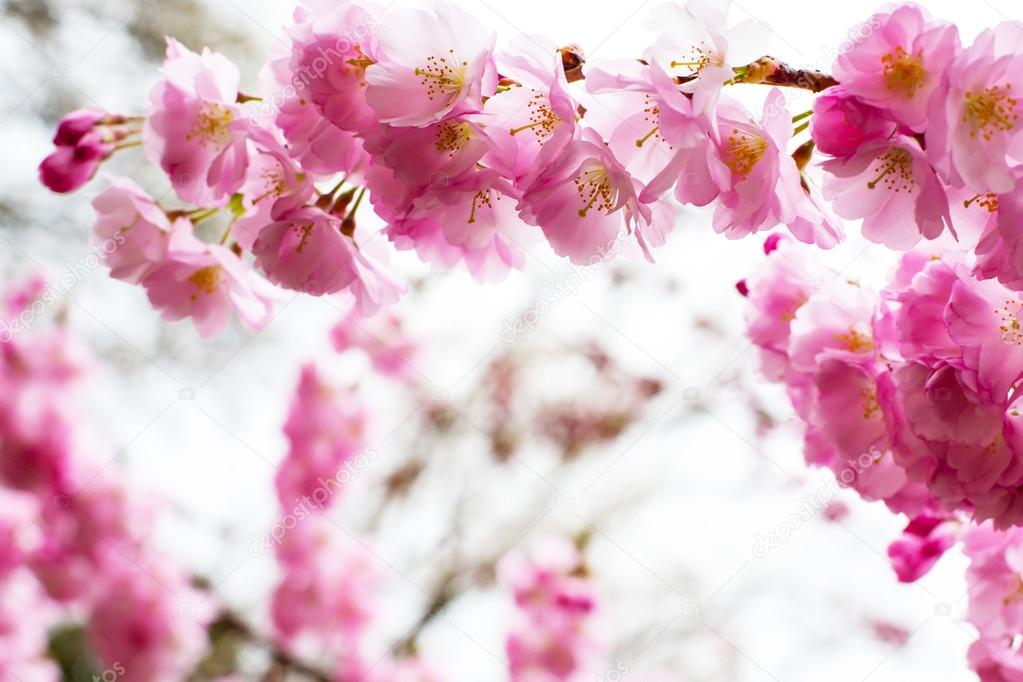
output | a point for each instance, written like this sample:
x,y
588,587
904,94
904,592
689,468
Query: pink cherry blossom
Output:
x,y
326,428
306,251
207,282
321,604
697,44
584,201
430,66
315,86
976,126
131,232
923,542
554,639
893,188
531,119
192,130
383,338
842,123
149,620
70,167
473,218
901,64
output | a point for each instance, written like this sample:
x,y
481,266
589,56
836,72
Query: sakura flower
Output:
x,y
192,130
697,45
925,539
446,69
326,428
976,128
25,617
531,120
893,188
999,249
842,123
315,86
764,189
131,232
70,167
429,155
382,338
983,318
995,608
149,620
321,601
473,218
783,285
206,282
555,639
901,65
305,249
640,111
584,200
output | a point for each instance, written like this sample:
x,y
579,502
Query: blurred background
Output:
x,y
637,419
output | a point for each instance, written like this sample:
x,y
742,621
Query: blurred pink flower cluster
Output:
x,y
74,536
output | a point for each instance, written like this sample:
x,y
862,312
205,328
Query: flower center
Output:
x,y
212,125
452,136
699,57
743,150
542,119
652,115
894,169
594,188
442,76
903,72
205,280
989,111
481,198
856,341
1012,332
871,405
988,201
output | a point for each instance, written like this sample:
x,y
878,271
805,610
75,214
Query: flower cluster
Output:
x,y
73,535
554,640
472,151
909,395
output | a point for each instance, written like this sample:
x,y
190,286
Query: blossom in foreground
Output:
x,y
192,130
901,64
430,66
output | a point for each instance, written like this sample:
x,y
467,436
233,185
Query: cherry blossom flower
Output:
x,y
900,65
842,124
131,232
326,428
584,200
150,621
923,542
445,70
207,282
305,251
892,187
976,126
473,218
529,121
192,130
554,640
